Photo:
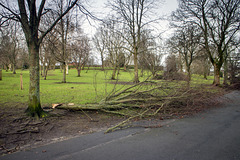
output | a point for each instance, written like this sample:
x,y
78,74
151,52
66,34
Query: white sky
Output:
x,y
97,7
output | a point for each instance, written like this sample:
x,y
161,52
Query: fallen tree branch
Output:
x,y
125,121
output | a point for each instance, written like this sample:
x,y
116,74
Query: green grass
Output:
x,y
89,88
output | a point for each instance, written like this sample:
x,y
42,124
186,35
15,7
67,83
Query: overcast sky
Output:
x,y
98,8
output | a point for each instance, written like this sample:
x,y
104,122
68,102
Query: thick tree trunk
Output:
x,y
216,75
34,107
136,79
225,73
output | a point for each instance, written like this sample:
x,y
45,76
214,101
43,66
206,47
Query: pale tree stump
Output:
x,y
21,82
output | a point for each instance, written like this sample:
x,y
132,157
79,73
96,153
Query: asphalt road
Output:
x,y
214,135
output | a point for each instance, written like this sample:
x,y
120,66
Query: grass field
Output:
x,y
89,88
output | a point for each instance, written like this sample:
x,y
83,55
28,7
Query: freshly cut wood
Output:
x,y
56,105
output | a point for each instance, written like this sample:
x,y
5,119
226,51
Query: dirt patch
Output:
x,y
18,131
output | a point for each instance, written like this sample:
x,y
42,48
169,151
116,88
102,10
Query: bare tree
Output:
x,y
80,52
62,31
46,58
186,41
10,45
233,66
115,43
29,15
4,51
99,41
219,21
135,15
149,54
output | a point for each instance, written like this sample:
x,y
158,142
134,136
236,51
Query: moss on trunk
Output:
x,y
34,107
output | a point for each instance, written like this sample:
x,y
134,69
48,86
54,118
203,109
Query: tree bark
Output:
x,y
34,107
225,73
216,75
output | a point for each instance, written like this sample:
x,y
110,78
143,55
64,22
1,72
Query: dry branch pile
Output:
x,y
146,99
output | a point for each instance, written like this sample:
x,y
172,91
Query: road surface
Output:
x,y
214,135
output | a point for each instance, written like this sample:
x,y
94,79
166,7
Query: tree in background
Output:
x,y
186,41
10,45
135,15
80,53
100,43
219,22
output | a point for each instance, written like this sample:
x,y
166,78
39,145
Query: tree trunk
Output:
x,y
6,68
205,75
34,107
64,73
225,73
79,71
14,69
44,70
66,68
136,79
125,68
216,75
45,73
189,73
114,72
